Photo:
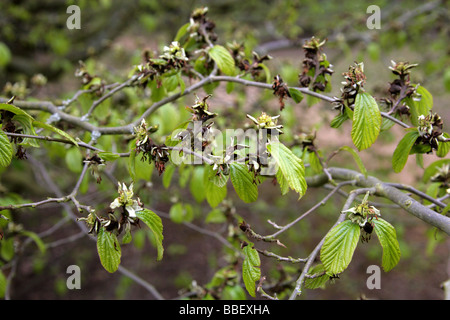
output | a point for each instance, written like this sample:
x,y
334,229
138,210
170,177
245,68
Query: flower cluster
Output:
x,y
128,216
443,177
362,215
175,55
173,58
201,28
255,68
400,88
281,90
200,110
265,121
354,81
430,130
159,154
316,68
125,200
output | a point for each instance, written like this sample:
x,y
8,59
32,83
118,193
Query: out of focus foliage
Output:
x,y
34,38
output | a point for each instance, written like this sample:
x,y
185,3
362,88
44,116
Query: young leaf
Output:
x,y
62,133
339,245
215,194
6,150
320,279
281,180
290,166
27,128
339,120
366,121
168,174
74,160
132,164
108,156
33,236
180,212
153,221
3,284
13,109
296,95
420,107
218,178
196,185
182,31
223,59
357,158
314,162
242,181
433,168
109,251
443,146
388,240
401,153
250,269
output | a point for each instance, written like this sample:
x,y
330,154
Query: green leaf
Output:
x,y
266,72
290,166
223,59
366,121
3,283
132,164
74,160
320,279
357,159
242,181
196,185
5,55
446,79
282,181
339,120
6,150
180,212
251,269
219,180
15,110
296,95
311,100
388,240
339,245
443,146
182,31
153,221
109,251
108,156
419,107
168,174
432,169
314,162
401,153
215,194
215,216
40,244
27,128
46,126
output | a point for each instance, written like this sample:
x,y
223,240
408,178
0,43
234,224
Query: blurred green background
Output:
x,y
34,40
